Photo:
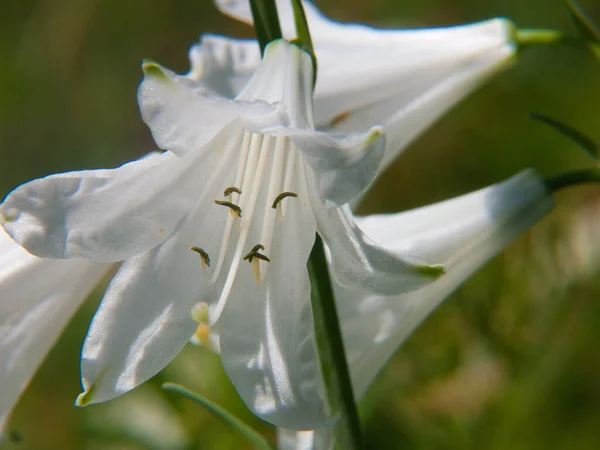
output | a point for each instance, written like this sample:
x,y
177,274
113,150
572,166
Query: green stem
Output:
x,y
532,36
569,179
303,34
258,441
266,22
332,356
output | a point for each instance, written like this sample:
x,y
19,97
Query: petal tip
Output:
x,y
152,69
431,271
85,398
7,218
374,135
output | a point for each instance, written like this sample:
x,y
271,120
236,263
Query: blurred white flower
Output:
x,y
403,80
37,298
463,234
219,229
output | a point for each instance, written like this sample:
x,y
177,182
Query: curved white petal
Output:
x,y
145,317
363,264
462,233
224,64
240,10
344,165
421,97
110,215
37,299
284,78
266,330
143,321
184,116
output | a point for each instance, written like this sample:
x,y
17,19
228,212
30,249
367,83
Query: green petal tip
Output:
x,y
431,271
153,69
85,398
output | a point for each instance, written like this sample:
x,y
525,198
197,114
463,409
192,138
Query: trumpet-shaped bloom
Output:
x,y
463,234
401,79
218,230
37,298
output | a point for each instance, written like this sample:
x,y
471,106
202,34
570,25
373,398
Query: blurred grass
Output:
x,y
509,361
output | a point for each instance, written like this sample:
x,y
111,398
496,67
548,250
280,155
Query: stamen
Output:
x,y
254,254
282,196
199,312
202,336
203,255
259,146
337,120
245,150
231,189
256,270
287,179
235,209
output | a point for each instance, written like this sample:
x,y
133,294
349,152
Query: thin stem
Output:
x,y
574,178
266,22
303,33
258,441
331,351
532,36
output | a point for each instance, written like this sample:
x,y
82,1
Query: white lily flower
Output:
x,y
402,79
219,229
463,234
37,298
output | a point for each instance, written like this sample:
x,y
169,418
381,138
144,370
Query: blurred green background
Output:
x,y
510,360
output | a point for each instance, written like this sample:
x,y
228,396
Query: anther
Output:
x,y
205,257
340,118
231,189
254,254
281,197
199,313
234,208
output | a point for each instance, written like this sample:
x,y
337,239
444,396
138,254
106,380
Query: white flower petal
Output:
x,y
240,10
143,321
184,116
266,330
145,317
344,166
462,233
37,299
109,215
359,262
422,97
223,64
